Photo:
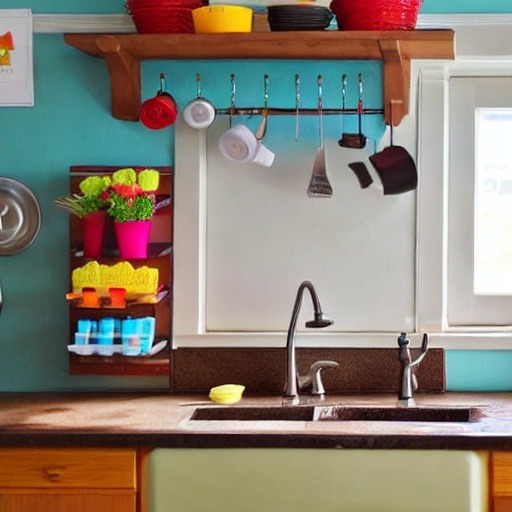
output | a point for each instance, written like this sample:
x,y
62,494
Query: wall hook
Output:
x,y
343,92
232,106
262,128
198,85
162,83
297,105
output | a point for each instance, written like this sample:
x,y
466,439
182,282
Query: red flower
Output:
x,y
127,191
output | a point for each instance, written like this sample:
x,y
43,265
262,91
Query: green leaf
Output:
x,y
126,176
92,186
149,180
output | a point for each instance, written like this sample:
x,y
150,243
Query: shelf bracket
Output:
x,y
124,72
397,78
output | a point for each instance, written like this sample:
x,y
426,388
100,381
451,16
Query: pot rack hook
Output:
x,y
198,84
360,102
320,81
297,105
265,93
162,83
343,92
232,101
360,90
262,129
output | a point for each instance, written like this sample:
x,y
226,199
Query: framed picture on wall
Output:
x,y
16,62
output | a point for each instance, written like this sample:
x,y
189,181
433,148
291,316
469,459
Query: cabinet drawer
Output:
x,y
72,501
68,468
502,473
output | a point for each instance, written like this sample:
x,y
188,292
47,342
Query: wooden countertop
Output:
x,y
162,420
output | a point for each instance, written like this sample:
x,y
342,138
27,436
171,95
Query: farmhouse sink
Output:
x,y
336,413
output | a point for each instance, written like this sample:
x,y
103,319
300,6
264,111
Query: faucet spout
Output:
x,y
320,321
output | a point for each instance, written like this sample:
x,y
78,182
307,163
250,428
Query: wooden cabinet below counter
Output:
x,y
68,480
501,484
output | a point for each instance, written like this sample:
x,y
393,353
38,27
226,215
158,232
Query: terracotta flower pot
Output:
x,y
93,230
133,238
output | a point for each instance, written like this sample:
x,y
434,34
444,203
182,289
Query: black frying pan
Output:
x,y
395,167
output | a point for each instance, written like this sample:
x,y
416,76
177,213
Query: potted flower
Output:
x,y
131,200
90,206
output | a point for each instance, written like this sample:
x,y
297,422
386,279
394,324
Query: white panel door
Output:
x,y
264,236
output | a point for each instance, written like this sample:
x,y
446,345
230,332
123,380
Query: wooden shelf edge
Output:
x,y
123,54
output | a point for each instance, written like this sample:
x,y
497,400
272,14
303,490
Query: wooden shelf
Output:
x,y
157,365
160,257
124,53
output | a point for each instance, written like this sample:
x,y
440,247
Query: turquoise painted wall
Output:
x,y
478,370
117,6
70,124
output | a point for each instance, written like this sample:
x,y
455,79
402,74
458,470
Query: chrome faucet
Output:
x,y
408,381
294,381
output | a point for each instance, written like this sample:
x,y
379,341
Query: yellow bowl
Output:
x,y
222,18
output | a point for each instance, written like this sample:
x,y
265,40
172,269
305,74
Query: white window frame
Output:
x,y
481,56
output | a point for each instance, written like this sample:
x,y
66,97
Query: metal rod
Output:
x,y
253,111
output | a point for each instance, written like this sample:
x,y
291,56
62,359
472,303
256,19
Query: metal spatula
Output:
x,y
319,185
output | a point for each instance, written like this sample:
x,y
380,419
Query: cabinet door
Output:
x,y
68,480
55,502
502,481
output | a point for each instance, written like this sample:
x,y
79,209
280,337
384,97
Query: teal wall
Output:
x,y
117,6
70,124
475,370
466,6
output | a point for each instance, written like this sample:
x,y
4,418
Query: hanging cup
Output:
x,y
159,112
239,144
199,113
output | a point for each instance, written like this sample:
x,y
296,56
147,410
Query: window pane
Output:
x,y
493,202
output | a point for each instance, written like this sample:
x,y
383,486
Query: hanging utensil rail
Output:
x,y
271,111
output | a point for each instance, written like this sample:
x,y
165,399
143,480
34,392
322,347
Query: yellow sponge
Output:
x,y
140,281
227,393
